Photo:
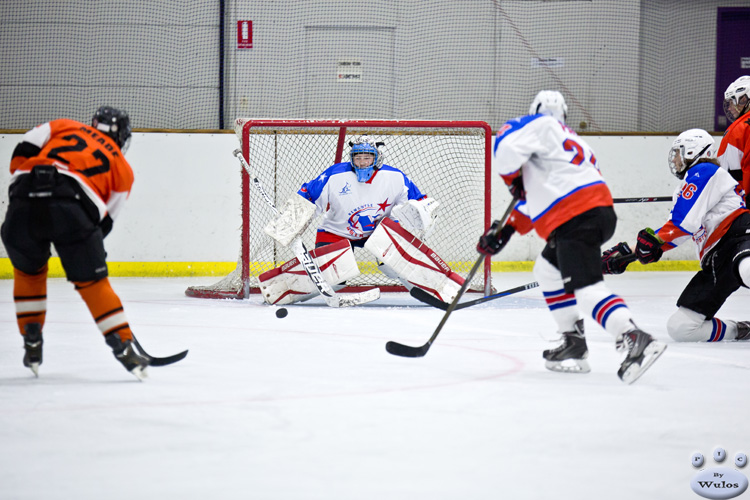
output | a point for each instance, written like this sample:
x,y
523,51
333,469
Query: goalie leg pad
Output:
x,y
413,261
289,282
291,220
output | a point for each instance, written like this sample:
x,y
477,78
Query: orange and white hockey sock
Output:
x,y
105,307
30,297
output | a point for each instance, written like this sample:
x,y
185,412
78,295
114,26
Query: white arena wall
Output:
x,y
183,216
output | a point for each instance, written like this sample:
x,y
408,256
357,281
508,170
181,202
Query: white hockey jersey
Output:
x,y
704,206
353,209
559,171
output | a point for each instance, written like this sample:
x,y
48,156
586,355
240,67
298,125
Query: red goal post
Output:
x,y
448,160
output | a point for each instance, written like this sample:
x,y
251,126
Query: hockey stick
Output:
x,y
417,352
311,268
155,361
425,297
642,200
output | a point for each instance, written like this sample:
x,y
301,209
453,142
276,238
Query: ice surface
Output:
x,y
312,407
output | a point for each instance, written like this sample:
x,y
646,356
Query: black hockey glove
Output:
x,y
493,240
106,225
616,259
516,188
648,248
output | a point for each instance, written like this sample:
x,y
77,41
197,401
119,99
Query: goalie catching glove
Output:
x,y
616,259
417,216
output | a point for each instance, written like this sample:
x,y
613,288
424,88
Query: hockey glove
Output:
x,y
616,259
106,225
516,188
648,249
493,240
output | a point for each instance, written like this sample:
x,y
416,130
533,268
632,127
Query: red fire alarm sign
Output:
x,y
244,34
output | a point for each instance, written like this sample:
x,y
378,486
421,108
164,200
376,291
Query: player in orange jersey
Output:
x,y
69,182
734,150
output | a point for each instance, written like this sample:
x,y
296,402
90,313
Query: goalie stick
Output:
x,y
156,361
311,268
425,297
417,352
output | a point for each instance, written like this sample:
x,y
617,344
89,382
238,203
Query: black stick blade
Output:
x,y
406,351
155,360
167,360
428,299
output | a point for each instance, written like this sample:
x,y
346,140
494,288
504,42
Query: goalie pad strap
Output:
x,y
289,282
413,261
291,220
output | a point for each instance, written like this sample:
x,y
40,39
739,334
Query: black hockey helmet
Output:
x,y
115,123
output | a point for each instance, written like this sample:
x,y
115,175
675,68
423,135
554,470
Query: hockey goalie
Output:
x,y
364,203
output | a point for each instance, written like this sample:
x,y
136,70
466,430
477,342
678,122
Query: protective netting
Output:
x,y
160,61
447,161
178,64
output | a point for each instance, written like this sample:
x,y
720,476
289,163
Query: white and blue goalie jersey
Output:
x,y
353,209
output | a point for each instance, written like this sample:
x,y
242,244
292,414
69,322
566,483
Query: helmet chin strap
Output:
x,y
689,163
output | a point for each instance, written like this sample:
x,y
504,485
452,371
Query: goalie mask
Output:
x,y
365,157
687,149
737,98
550,103
115,123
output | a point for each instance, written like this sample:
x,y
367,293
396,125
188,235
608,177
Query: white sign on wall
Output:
x,y
745,62
349,70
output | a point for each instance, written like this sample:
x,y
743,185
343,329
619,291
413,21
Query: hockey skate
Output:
x,y
570,356
642,350
743,330
32,343
125,354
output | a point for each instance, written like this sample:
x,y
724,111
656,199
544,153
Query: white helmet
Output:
x,y
737,98
689,146
550,102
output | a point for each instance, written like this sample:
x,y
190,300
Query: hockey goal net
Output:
x,y
447,160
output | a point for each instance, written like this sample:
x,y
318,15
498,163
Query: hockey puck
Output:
x,y
281,312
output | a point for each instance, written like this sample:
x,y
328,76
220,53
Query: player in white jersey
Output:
x,y
709,208
565,199
364,203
